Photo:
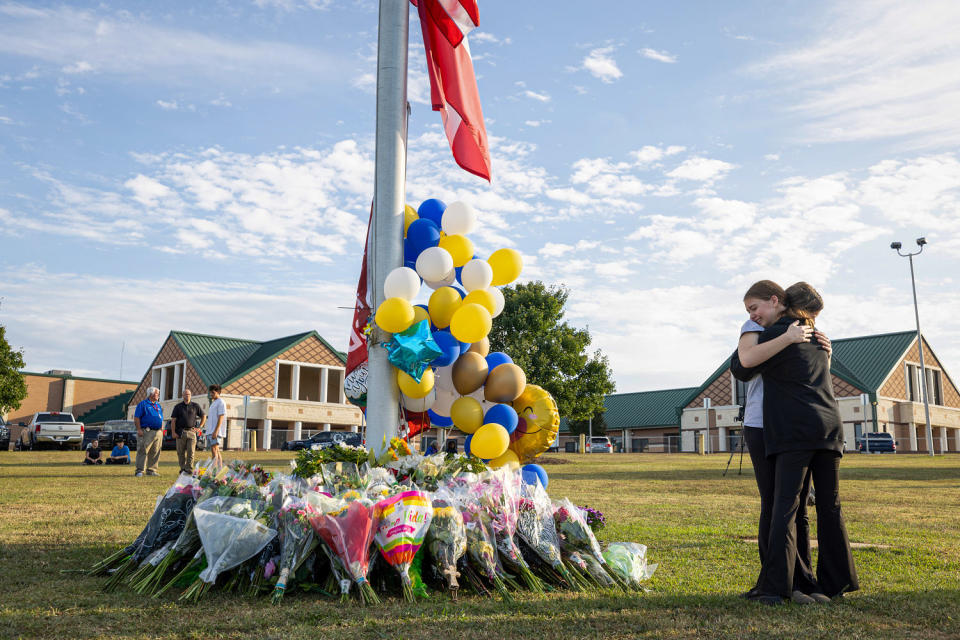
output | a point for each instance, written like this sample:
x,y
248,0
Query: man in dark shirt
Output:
x,y
185,423
93,453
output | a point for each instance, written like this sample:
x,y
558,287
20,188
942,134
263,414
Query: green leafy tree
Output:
x,y
599,427
554,355
13,388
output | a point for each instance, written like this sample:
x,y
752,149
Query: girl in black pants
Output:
x,y
802,428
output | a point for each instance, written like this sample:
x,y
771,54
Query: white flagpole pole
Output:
x,y
383,396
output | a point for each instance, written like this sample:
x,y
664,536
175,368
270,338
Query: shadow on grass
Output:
x,y
686,475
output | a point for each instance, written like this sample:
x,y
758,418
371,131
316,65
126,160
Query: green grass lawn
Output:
x,y
57,516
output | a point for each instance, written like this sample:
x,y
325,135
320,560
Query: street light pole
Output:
x,y
916,312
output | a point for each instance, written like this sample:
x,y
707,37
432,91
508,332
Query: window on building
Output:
x,y
169,378
309,383
915,388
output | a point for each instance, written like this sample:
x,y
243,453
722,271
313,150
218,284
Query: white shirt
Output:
x,y
217,409
753,411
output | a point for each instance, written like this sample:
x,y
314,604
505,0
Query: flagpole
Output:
x,y
383,396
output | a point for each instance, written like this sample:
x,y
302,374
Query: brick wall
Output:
x,y
169,352
896,384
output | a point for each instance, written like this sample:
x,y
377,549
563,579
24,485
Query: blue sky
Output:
x,y
208,167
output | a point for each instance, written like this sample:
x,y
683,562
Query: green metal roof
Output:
x,y
640,409
871,358
221,360
112,409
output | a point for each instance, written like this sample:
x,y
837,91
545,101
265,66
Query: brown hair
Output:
x,y
803,301
213,387
764,290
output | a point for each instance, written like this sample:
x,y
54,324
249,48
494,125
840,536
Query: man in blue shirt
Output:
x,y
149,420
120,453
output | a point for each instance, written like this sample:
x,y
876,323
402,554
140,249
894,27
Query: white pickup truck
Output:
x,y
52,428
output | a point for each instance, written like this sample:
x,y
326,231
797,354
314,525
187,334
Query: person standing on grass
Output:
x,y
216,423
186,420
93,453
120,453
803,430
148,418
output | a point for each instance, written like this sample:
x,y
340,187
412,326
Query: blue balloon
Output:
x,y
465,346
502,414
438,420
422,234
534,473
466,444
431,209
449,346
496,358
458,271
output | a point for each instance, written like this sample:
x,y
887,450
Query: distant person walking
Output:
x,y
216,423
186,420
149,420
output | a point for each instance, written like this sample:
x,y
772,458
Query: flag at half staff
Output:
x,y
453,86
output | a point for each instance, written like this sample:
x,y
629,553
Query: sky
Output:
x,y
208,167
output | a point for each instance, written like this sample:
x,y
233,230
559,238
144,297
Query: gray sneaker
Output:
x,y
152,473
139,474
820,598
800,597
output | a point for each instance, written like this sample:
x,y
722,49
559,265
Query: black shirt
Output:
x,y
799,410
186,416
93,452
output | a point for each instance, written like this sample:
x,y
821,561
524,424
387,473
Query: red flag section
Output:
x,y
453,86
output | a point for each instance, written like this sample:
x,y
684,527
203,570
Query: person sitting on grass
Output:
x,y
93,453
120,453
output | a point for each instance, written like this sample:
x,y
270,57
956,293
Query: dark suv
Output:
x,y
323,439
878,442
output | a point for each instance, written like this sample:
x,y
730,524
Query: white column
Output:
x,y
943,439
163,383
176,380
913,435
626,442
295,384
267,433
324,376
297,430
722,435
354,428
326,426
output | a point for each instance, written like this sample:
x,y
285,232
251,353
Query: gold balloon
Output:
x,y
505,383
467,414
469,372
482,347
444,302
409,215
509,458
482,297
490,441
539,423
411,387
419,313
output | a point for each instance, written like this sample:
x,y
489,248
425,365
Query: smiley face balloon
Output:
x,y
538,424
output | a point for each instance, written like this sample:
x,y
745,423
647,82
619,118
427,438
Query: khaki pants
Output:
x,y
148,450
186,447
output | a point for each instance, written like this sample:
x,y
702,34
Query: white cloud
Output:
x,y
293,5
772,157
601,65
701,169
173,105
659,56
541,97
81,66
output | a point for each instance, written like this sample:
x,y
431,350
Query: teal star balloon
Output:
x,y
412,350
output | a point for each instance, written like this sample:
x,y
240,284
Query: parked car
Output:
x,y
323,439
879,443
4,436
52,428
112,432
169,442
599,444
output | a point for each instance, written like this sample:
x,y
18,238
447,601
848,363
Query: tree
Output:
x,y
13,388
598,428
554,355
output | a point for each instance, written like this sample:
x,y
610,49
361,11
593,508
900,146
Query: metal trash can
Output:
x,y
570,447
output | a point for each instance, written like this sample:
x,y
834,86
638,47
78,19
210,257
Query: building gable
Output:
x,y
895,386
260,379
870,359
170,352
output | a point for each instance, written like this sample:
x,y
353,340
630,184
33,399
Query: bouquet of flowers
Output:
x,y
232,531
499,494
628,560
594,518
348,530
481,544
297,541
577,536
340,477
260,475
403,521
536,528
447,537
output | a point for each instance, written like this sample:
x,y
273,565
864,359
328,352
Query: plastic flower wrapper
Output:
x,y
427,473
380,484
343,476
412,349
232,531
347,528
260,475
499,494
597,571
629,561
481,544
447,537
403,521
297,541
536,528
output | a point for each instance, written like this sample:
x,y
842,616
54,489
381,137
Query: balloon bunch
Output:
x,y
452,374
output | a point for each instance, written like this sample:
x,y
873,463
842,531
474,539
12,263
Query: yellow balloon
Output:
x,y
490,441
409,215
470,323
509,458
506,265
481,297
539,423
419,313
459,247
413,388
467,414
444,302
394,315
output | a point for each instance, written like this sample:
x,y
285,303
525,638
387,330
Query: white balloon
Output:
x,y
478,396
402,282
419,405
447,280
498,300
476,274
458,217
443,378
434,264
445,400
